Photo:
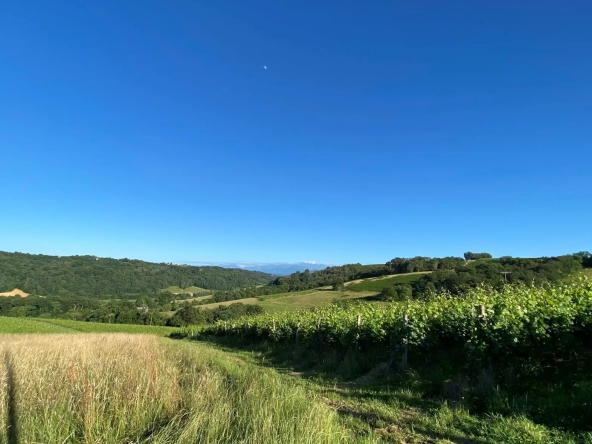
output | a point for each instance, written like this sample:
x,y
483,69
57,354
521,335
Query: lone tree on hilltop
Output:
x,y
474,256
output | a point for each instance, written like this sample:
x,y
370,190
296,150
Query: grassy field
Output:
x,y
23,325
297,300
40,325
116,388
105,388
377,284
97,327
425,406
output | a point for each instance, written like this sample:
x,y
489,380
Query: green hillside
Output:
x,y
10,325
22,325
297,300
104,278
378,284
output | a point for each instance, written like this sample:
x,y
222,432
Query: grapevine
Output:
x,y
517,319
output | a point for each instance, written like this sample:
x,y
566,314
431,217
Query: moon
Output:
x,y
264,67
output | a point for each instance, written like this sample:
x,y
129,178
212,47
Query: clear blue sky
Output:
x,y
150,129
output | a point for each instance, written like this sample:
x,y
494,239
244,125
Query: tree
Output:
x,y
388,294
474,256
338,284
404,292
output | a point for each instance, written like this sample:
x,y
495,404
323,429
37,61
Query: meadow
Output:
x,y
297,300
42,325
124,388
24,325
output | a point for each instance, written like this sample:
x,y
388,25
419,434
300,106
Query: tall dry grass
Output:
x,y
119,388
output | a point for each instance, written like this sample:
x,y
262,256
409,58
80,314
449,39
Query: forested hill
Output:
x,y
105,278
453,274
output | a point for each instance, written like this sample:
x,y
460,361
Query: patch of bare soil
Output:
x,y
15,292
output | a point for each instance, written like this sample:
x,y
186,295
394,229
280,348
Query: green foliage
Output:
x,y
143,311
103,278
402,292
338,284
420,263
520,321
307,280
190,315
586,258
380,284
451,273
18,325
521,270
475,256
388,294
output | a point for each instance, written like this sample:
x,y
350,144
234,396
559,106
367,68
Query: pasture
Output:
x,y
26,325
41,325
297,300
106,388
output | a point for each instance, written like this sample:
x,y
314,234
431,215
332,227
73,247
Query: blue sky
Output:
x,y
151,130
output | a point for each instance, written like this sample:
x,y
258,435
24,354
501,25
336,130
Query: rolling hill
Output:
x,y
104,278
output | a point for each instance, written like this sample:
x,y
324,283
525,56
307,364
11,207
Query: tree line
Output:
x,y
145,310
104,278
450,273
336,276
494,273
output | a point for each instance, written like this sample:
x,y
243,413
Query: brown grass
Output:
x,y
123,388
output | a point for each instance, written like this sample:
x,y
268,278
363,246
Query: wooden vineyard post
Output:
x,y
319,332
404,359
297,332
273,324
482,313
359,321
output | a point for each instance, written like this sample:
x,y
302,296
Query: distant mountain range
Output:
x,y
284,269
277,268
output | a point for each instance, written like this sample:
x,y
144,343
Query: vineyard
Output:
x,y
517,320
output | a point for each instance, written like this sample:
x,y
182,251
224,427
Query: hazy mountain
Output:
x,y
277,268
284,269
